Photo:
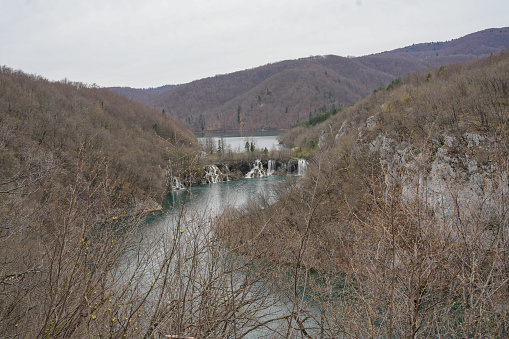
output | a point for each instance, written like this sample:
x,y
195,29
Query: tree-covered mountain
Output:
x,y
279,95
142,95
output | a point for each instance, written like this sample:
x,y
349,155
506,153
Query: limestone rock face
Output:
x,y
345,128
461,178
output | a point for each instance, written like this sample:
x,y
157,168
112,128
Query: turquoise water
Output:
x,y
194,209
211,199
197,207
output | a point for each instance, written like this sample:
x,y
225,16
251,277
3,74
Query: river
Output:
x,y
211,199
189,211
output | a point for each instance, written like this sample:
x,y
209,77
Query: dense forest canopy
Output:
x,y
282,94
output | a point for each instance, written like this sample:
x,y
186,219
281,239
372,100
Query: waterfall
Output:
x,y
271,167
173,181
257,170
176,184
302,167
212,174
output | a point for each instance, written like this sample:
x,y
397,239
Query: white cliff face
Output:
x,y
394,155
461,180
322,139
458,184
345,128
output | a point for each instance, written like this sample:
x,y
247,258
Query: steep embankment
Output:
x,y
405,208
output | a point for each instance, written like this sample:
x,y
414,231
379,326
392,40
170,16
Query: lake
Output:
x,y
209,200
236,141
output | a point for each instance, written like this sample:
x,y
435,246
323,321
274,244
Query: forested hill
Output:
x,y
64,132
278,95
435,54
142,95
75,160
404,206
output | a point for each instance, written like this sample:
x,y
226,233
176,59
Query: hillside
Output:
x,y
278,95
418,57
142,95
78,167
274,96
62,122
403,213
399,229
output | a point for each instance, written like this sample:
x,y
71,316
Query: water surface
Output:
x,y
236,141
210,200
199,205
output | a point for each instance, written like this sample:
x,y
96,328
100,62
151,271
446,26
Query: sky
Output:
x,y
150,43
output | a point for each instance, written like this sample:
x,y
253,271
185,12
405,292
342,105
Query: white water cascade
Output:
x,y
213,174
302,167
271,167
176,185
257,170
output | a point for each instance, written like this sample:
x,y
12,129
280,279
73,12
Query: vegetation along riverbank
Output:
x,y
403,213
398,229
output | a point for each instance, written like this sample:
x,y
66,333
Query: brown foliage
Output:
x,y
60,119
371,240
73,156
281,94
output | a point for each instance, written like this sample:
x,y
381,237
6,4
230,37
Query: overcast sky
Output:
x,y
149,43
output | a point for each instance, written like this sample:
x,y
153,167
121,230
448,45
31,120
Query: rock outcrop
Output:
x,y
462,179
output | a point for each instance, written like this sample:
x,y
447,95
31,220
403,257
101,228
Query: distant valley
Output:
x,y
281,94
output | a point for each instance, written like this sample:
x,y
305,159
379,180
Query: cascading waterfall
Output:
x,y
271,167
176,185
257,170
302,166
213,174
173,181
